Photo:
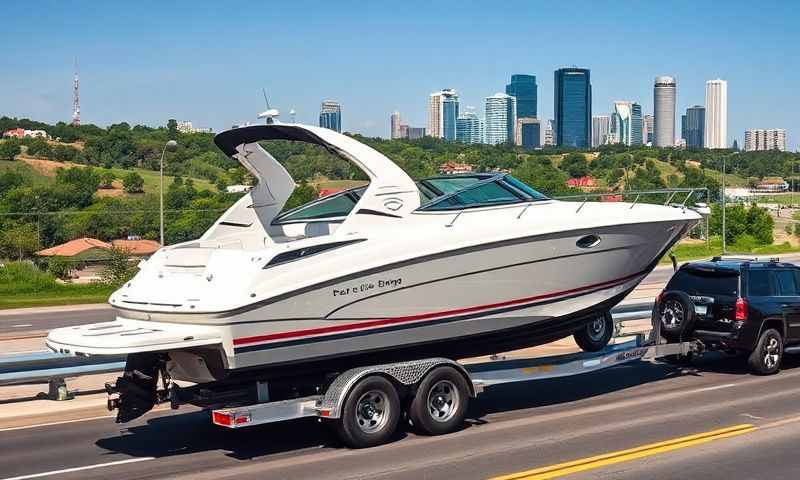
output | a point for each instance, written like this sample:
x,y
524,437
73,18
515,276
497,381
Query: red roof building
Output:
x,y
74,248
14,132
453,168
137,248
587,181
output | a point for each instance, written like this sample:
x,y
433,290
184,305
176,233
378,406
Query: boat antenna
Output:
x,y
270,114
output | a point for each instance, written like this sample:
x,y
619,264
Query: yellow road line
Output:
x,y
598,461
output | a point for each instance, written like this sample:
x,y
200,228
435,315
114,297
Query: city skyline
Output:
x,y
202,66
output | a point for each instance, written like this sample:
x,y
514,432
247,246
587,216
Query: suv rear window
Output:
x,y
697,282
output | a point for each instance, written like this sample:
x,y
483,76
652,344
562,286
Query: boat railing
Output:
x,y
646,196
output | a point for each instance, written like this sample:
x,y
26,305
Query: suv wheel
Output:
x,y
766,358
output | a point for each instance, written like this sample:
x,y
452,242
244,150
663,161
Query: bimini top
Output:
x,y
228,140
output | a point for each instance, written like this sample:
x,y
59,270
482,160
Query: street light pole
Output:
x,y
170,145
724,246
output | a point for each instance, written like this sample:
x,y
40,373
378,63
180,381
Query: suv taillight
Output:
x,y
659,296
741,309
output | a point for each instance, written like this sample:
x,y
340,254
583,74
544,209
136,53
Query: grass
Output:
x,y
22,284
151,180
695,250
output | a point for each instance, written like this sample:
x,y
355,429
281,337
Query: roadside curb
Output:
x,y
55,308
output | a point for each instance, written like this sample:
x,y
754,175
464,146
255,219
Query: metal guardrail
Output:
x,y
54,368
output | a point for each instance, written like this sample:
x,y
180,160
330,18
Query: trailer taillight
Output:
x,y
229,419
741,309
659,296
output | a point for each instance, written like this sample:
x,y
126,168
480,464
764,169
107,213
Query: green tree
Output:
x,y
133,183
301,195
20,241
118,268
9,149
575,164
107,178
172,129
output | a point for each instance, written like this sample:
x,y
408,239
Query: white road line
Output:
x,y
715,387
22,325
49,424
78,469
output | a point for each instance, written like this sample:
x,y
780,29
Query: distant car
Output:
x,y
741,305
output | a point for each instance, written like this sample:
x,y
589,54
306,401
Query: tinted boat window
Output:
x,y
696,282
450,185
337,206
491,193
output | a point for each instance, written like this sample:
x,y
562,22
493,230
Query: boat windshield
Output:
x,y
439,193
329,208
481,191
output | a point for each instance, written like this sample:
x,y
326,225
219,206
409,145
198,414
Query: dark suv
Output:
x,y
741,305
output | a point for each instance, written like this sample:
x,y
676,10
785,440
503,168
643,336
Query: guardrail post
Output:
x,y
57,390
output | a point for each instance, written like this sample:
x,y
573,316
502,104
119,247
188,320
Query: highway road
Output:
x,y
634,421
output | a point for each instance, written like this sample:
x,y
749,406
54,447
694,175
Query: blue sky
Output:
x,y
145,62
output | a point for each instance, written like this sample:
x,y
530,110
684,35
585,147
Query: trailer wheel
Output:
x,y
596,334
441,402
370,413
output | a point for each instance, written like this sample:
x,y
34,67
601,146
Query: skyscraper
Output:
x,y
331,115
527,132
648,125
664,111
395,126
572,98
442,114
501,117
549,133
601,127
760,139
621,122
523,88
469,128
716,119
636,124
695,126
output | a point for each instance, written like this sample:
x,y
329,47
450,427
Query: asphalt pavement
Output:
x,y
511,430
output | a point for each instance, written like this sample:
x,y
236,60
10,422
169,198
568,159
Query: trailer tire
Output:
x,y
440,403
370,413
595,335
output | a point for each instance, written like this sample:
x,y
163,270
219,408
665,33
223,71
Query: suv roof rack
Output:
x,y
720,258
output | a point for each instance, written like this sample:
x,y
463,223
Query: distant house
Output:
x,y
324,192
137,247
94,250
770,185
587,181
454,168
81,250
612,198
14,132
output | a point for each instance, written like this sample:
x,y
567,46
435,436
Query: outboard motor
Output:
x,y
137,387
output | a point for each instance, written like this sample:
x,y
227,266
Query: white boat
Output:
x,y
451,267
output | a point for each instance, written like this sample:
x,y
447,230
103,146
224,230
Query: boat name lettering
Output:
x,y
357,288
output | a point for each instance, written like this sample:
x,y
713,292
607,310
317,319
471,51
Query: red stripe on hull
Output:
x,y
423,316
